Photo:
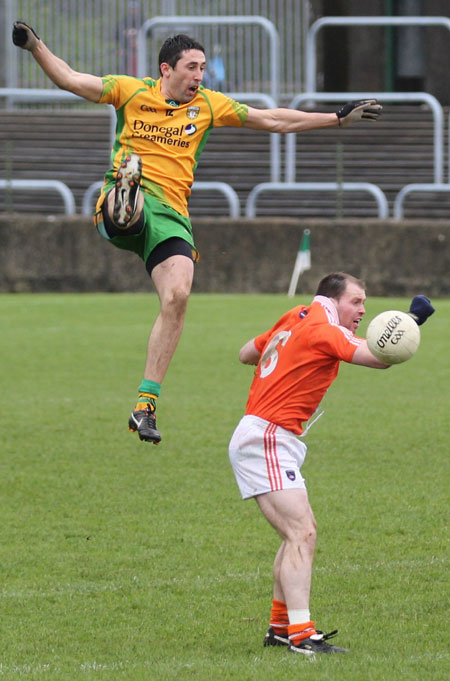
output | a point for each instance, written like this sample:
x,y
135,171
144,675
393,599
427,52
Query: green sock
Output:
x,y
150,387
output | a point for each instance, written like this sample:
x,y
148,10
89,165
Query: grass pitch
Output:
x,y
123,560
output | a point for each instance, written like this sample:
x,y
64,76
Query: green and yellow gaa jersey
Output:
x,y
169,136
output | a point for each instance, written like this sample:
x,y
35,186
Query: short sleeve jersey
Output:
x,y
299,361
169,136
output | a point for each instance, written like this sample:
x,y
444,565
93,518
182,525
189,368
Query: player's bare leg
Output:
x,y
277,634
173,281
278,593
290,513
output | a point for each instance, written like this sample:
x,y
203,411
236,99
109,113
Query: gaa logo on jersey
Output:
x,y
290,475
192,112
190,129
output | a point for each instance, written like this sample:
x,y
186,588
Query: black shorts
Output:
x,y
172,246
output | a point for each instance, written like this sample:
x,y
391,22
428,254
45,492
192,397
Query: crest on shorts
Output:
x,y
192,112
290,475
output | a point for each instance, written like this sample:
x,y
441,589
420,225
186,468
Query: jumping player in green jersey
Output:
x,y
162,127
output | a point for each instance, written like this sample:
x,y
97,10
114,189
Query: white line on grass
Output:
x,y
139,584
124,665
385,565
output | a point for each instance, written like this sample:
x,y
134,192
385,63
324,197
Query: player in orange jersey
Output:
x,y
162,126
297,360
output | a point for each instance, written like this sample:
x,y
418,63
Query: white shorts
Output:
x,y
265,457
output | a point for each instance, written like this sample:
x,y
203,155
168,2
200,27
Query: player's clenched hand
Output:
x,y
24,36
420,309
365,109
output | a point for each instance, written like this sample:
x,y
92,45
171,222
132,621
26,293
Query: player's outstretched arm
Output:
x,y
248,354
290,120
364,358
82,84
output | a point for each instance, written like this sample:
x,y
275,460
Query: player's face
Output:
x,y
350,306
181,83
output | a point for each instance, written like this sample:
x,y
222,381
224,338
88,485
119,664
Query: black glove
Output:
x,y
24,36
420,309
366,109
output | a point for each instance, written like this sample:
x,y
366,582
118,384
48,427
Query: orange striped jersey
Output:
x,y
300,359
169,136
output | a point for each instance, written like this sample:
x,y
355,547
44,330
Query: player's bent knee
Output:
x,y
176,299
303,535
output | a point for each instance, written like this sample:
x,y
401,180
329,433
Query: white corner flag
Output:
x,y
302,262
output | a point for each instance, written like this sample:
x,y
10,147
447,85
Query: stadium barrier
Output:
x,y
13,95
428,188
395,258
223,188
290,166
275,138
380,198
398,97
43,185
438,188
255,20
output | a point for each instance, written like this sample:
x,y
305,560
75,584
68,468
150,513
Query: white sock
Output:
x,y
299,616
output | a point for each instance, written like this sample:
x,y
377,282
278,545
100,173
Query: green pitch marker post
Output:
x,y
302,262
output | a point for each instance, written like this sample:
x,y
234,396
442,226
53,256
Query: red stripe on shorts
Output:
x,y
270,452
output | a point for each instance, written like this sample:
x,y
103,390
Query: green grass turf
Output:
x,y
123,560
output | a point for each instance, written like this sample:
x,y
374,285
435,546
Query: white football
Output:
x,y
393,336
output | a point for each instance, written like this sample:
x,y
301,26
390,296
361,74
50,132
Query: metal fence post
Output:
x,y
432,102
264,23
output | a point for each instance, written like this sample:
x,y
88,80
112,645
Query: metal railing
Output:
x,y
439,188
100,37
275,138
228,192
44,95
432,102
43,185
14,95
311,37
267,26
380,198
223,188
426,187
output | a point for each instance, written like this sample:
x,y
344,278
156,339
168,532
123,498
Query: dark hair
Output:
x,y
334,284
172,48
